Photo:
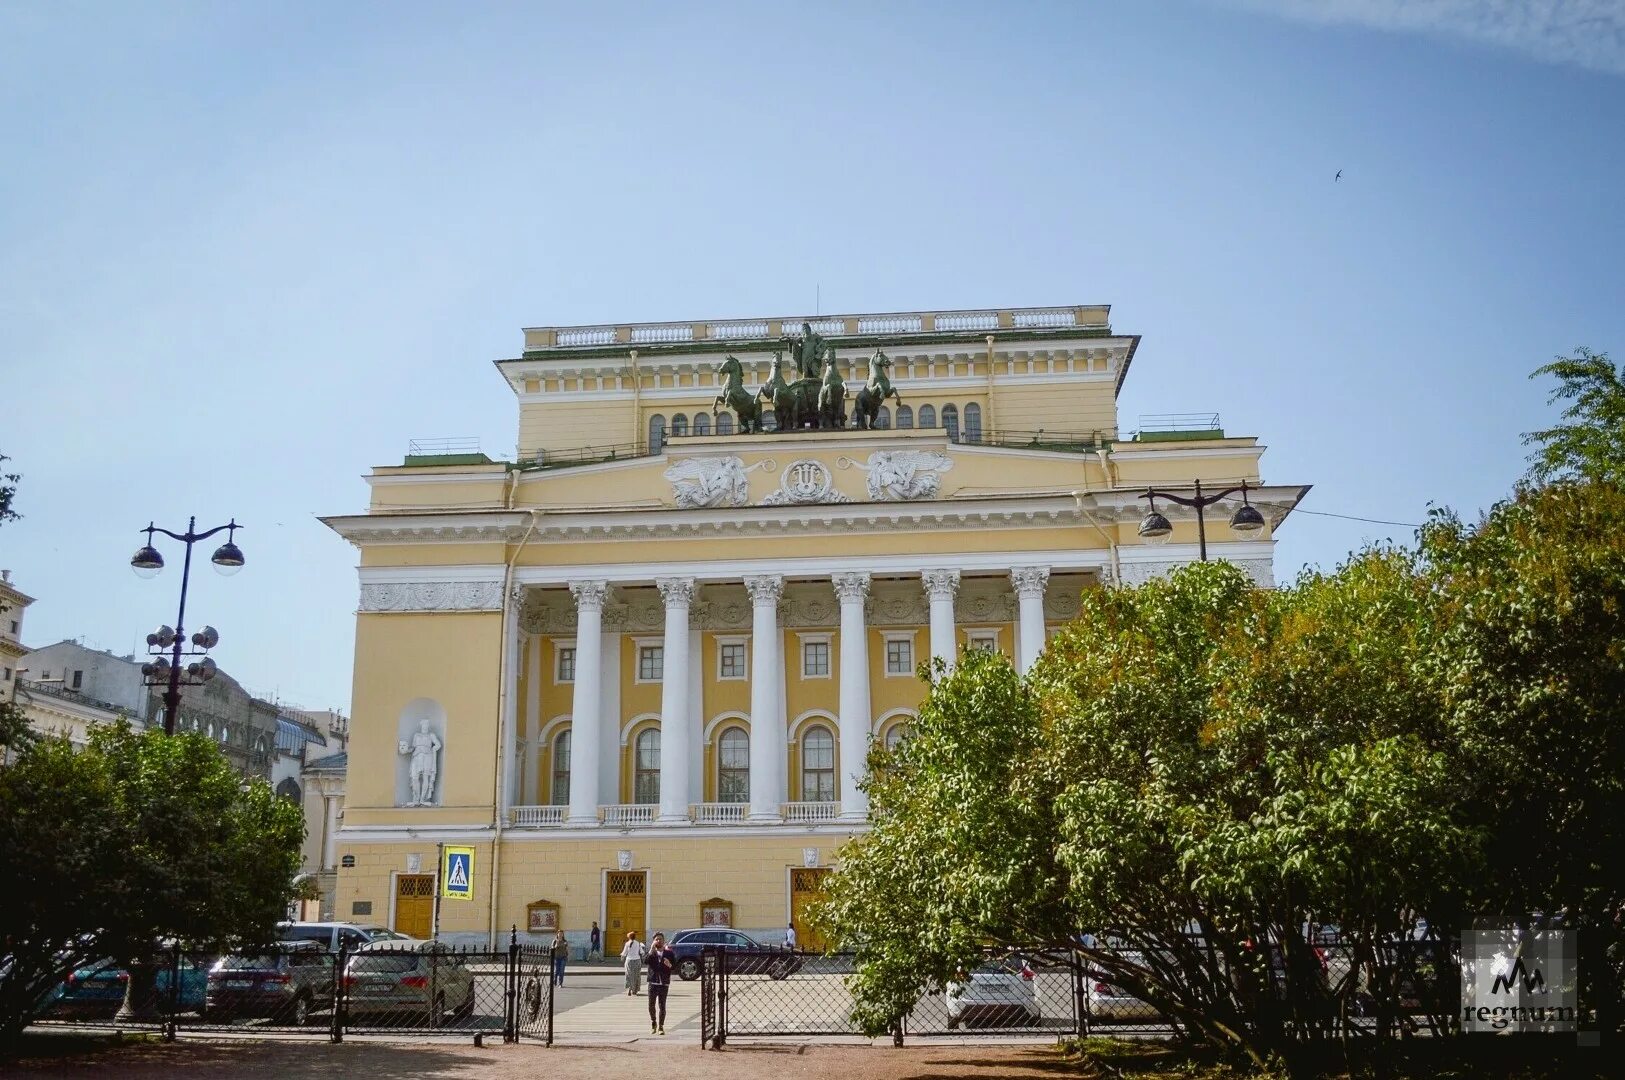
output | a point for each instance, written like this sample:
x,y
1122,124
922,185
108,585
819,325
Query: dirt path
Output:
x,y
399,1060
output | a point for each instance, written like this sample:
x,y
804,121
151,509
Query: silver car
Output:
x,y
408,981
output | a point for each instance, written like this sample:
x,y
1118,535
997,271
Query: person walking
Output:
x,y
660,962
595,944
561,949
790,936
632,962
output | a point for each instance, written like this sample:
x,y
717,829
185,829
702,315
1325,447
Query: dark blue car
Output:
x,y
97,990
750,957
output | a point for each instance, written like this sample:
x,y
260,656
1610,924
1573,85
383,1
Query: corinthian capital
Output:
x,y
940,584
590,595
850,588
765,588
1029,581
677,592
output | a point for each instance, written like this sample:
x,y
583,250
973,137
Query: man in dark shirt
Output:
x,y
659,962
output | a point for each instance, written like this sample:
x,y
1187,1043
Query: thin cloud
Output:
x,y
1579,33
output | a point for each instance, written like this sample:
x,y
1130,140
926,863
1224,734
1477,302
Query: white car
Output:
x,y
1000,993
1104,1000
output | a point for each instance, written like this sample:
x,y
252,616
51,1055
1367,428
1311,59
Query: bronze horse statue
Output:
x,y
832,397
795,404
734,395
874,392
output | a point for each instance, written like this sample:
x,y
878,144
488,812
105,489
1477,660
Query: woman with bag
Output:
x,y
632,960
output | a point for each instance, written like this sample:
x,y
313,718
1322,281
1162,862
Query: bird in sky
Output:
x,y
1338,177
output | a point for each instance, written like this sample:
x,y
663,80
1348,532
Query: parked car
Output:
x,y
999,993
97,990
332,935
286,984
1105,1000
751,956
410,979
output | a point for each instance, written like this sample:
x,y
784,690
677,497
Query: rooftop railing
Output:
x,y
900,323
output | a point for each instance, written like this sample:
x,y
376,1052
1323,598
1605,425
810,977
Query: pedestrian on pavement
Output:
x,y
561,949
595,945
790,936
632,962
660,963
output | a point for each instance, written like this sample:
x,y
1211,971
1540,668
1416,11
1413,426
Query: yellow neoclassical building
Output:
x,y
638,667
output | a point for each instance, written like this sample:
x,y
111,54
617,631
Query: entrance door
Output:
x,y
414,905
626,906
806,889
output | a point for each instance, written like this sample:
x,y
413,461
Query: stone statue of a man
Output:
x,y
425,750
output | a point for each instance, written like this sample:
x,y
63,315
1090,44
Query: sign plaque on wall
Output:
x,y
542,917
347,861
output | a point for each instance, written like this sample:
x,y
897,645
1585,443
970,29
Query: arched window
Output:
x,y
883,417
657,433
679,425
928,416
895,735
646,767
733,766
702,423
950,420
725,423
905,417
559,792
817,765
973,422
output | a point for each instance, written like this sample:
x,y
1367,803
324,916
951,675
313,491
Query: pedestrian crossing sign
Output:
x,y
457,873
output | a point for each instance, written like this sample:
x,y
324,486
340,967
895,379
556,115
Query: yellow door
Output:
x,y
625,907
414,905
806,889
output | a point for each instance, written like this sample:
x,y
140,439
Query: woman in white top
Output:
x,y
632,960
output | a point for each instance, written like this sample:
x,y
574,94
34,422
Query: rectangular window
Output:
x,y
984,640
651,663
567,664
899,657
815,659
8,674
13,627
731,660
78,680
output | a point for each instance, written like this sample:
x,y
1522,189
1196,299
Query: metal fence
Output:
x,y
416,988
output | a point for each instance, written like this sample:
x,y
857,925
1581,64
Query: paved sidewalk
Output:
x,y
380,1060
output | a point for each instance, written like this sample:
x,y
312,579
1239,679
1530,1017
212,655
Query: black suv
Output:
x,y
750,957
286,983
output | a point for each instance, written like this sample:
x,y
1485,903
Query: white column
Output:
x,y
330,844
851,590
584,719
940,587
1029,582
768,763
675,742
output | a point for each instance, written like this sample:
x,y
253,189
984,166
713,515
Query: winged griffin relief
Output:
x,y
900,475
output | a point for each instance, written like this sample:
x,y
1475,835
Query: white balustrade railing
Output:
x,y
628,813
968,320
890,324
809,813
587,335
662,332
1033,318
728,331
718,813
533,816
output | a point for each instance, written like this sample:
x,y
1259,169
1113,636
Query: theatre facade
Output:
x,y
638,668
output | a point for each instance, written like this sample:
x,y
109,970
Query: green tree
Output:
x,y
1590,442
15,733
137,838
8,492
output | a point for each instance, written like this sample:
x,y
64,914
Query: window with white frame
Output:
x,y
896,734
733,766
817,765
732,660
651,663
560,790
900,656
815,659
646,767
566,667
983,640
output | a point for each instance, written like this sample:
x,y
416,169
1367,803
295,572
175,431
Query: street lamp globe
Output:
x,y
1154,528
227,559
146,562
1246,519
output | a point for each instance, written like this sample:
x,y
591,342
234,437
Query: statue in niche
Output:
x,y
425,749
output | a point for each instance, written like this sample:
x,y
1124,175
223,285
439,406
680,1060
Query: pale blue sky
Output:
x,y
261,247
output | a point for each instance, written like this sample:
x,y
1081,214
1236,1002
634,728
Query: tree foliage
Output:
x,y
8,492
135,838
1589,443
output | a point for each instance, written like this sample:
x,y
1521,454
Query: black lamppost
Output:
x,y
166,671
1155,528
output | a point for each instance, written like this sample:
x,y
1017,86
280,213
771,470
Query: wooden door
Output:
x,y
806,889
626,906
414,905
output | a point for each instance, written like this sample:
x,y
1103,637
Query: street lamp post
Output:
x,y
1155,528
166,671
